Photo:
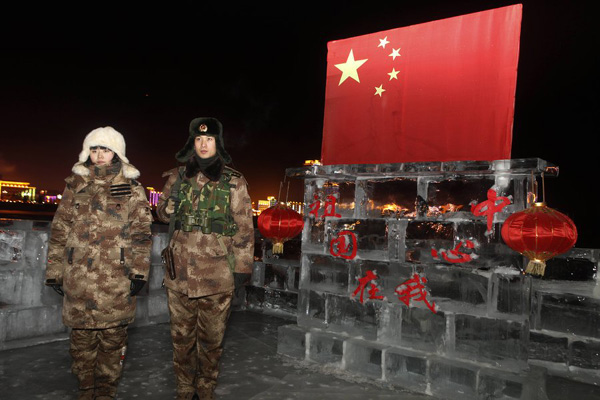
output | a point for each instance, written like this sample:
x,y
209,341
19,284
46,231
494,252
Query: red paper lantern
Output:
x,y
279,223
539,233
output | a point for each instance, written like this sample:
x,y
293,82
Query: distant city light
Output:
x,y
16,191
297,206
312,162
153,196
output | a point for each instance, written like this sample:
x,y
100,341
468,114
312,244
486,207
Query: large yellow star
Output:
x,y
393,74
350,68
379,90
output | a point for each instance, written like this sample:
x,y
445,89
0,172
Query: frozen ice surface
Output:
x,y
272,299
291,341
311,309
446,377
500,342
11,245
423,330
250,369
491,387
512,293
569,313
403,369
571,269
523,166
458,284
327,274
276,276
313,236
364,358
349,316
548,347
325,347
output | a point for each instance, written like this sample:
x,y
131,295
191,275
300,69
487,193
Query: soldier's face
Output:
x,y
101,155
206,146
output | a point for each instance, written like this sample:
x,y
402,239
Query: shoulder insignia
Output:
x,y
172,171
232,172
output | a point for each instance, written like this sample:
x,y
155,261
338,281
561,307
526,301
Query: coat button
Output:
x,y
118,206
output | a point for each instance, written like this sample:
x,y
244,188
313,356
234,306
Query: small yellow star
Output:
x,y
350,68
379,90
395,53
393,74
383,42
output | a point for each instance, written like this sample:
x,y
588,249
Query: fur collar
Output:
x,y
214,170
129,171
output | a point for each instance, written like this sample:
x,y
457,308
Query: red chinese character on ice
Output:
x,y
455,255
414,288
344,245
488,208
314,207
363,282
330,207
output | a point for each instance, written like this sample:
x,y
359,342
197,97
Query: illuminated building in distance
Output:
x,y
16,191
153,196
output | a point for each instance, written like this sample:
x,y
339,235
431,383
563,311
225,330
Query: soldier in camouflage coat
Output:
x,y
209,206
99,257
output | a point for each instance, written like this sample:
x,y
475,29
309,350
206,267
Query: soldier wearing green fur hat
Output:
x,y
207,206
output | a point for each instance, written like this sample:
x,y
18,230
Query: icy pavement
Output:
x,y
250,369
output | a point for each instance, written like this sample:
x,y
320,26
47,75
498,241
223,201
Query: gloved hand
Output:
x,y
135,286
58,289
240,279
171,206
55,285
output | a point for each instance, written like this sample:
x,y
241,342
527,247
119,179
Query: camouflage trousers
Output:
x,y
197,330
97,360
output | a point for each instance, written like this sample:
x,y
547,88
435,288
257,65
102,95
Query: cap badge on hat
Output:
x,y
203,128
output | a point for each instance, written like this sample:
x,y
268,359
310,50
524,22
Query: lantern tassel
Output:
x,y
536,267
277,248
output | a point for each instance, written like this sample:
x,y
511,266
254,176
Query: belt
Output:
x,y
215,228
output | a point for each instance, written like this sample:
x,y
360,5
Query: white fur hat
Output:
x,y
107,137
111,139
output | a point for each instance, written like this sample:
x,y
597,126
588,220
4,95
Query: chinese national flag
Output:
x,y
438,91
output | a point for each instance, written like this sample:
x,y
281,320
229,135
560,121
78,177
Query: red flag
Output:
x,y
438,91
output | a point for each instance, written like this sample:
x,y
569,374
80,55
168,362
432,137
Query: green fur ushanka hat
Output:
x,y
204,126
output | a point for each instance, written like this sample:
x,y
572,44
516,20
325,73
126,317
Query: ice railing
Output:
x,y
511,166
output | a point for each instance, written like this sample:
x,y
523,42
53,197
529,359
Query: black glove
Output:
x,y
240,279
136,286
58,289
55,285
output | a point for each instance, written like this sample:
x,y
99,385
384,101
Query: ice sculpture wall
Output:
x,y
495,332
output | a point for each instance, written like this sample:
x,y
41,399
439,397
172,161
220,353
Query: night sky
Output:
x,y
147,70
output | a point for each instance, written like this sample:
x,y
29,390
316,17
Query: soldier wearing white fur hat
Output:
x,y
98,258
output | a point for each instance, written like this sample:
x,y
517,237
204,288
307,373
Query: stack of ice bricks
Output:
x,y
275,277
565,325
403,217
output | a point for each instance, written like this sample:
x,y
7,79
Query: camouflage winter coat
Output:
x,y
201,266
100,239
